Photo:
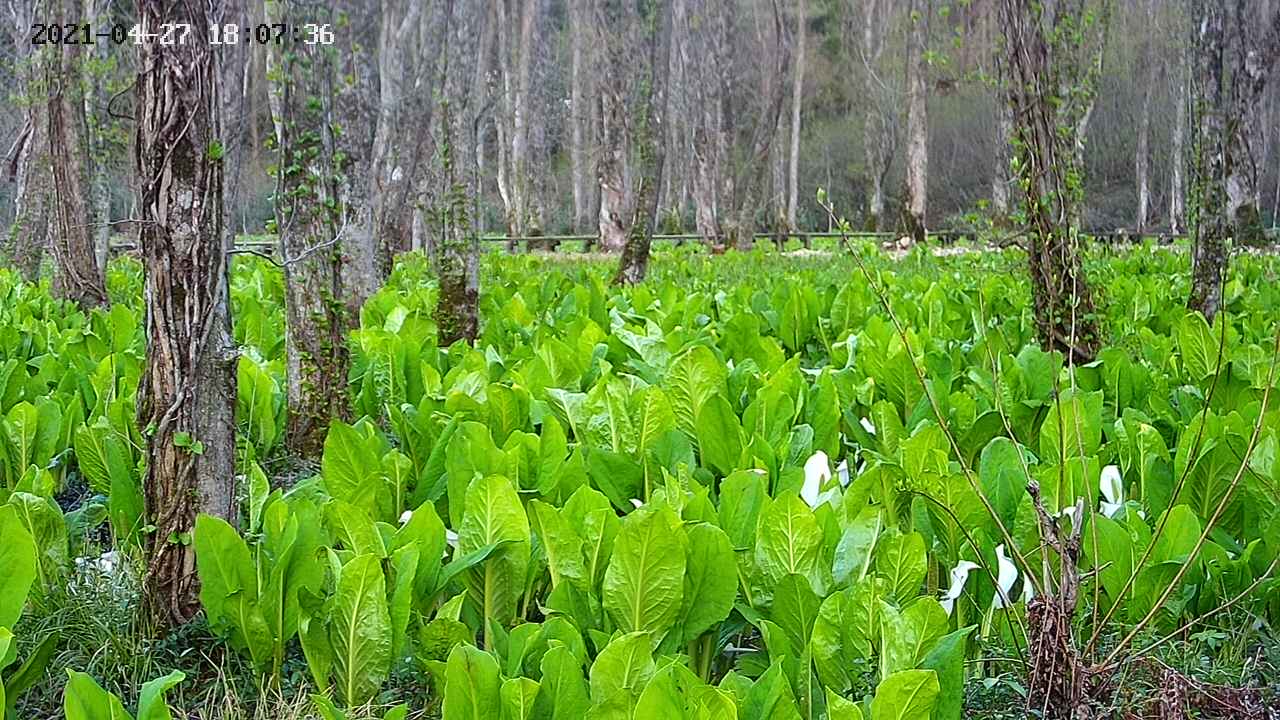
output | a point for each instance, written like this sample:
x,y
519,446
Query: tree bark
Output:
x,y
917,180
1142,154
29,167
580,104
1000,180
878,136
310,217
1042,61
518,17
651,140
77,276
186,397
615,140
457,262
1178,152
797,101
1226,105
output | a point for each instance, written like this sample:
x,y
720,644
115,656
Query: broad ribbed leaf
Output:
x,y
493,514
710,581
644,583
17,566
347,460
472,689
84,699
693,378
789,540
518,696
360,630
151,701
620,674
906,695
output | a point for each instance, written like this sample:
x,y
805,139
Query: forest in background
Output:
x,y
840,92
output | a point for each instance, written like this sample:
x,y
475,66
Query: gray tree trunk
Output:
x,y
917,180
797,101
77,275
187,394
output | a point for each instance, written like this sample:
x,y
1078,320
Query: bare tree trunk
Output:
x,y
310,217
1142,155
457,262
514,62
917,180
387,166
615,132
650,137
878,138
77,276
1178,153
797,100
97,120
1000,181
28,160
186,397
1226,121
1042,58
580,112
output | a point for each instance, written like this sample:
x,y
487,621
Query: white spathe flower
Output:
x,y
406,516
842,472
1006,576
450,538
959,576
817,470
1028,592
637,502
1112,487
867,425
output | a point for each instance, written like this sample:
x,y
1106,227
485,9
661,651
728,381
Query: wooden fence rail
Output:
x,y
943,236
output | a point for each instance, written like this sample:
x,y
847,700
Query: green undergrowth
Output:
x,y
735,490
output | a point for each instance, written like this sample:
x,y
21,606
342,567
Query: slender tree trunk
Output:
x,y
917,180
579,114
1142,154
1040,59
187,394
1226,128
877,132
797,101
310,216
97,121
77,276
25,242
1000,181
615,136
1177,152
457,262
1211,224
650,138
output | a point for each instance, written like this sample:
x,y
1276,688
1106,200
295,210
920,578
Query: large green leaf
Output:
x,y
644,582
360,630
17,566
946,658
789,540
906,695
518,696
84,699
493,515
900,560
619,674
224,566
472,688
710,582
349,458
563,695
719,435
693,378
151,701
